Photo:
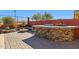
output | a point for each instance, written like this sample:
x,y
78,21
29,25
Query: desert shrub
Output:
x,y
12,26
8,22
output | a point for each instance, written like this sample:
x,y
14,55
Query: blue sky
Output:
x,y
58,14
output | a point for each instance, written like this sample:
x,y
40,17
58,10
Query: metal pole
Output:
x,y
15,14
16,17
28,20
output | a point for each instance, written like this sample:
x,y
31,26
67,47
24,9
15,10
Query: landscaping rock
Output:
x,y
55,34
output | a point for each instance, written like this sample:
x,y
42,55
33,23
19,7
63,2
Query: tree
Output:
x,y
8,20
37,16
47,16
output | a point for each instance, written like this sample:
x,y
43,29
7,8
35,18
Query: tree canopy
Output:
x,y
37,16
8,20
45,16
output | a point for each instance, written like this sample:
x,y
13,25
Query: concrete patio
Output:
x,y
2,45
29,41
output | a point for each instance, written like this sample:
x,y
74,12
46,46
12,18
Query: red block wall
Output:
x,y
68,22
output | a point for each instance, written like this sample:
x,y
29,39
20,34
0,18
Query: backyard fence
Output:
x,y
68,22
71,22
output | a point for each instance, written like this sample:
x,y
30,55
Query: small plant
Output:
x,y
23,24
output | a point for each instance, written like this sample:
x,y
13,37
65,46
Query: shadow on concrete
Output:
x,y
38,43
41,43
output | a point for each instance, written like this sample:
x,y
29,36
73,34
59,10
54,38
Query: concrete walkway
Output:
x,y
14,40
2,45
